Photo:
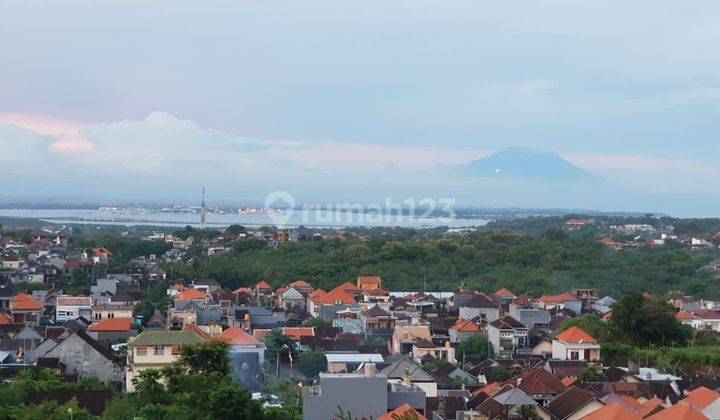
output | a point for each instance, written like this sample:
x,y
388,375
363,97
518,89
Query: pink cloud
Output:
x,y
68,141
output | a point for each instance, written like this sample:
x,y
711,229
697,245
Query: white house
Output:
x,y
575,344
507,335
69,307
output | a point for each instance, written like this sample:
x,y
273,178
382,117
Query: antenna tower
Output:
x,y
202,210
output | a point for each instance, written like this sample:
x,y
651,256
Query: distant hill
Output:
x,y
522,163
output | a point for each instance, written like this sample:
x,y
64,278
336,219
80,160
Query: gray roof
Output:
x,y
399,363
514,397
292,293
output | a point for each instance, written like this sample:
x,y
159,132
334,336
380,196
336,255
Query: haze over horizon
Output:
x,y
357,101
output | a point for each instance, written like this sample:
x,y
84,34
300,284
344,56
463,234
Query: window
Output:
x,y
141,351
574,355
159,350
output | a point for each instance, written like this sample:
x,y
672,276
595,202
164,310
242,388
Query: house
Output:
x,y
424,351
404,336
573,404
105,311
575,344
401,369
679,412
368,283
349,362
327,305
302,287
71,307
247,356
295,333
704,400
447,375
507,335
156,350
191,294
376,318
504,296
378,396
529,313
112,330
263,289
462,330
481,306
563,301
291,298
85,357
540,385
25,310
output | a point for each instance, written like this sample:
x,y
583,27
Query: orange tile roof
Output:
x,y
369,281
23,302
649,406
575,334
177,286
197,330
238,336
563,297
281,290
113,325
263,285
261,333
568,381
405,411
5,319
504,293
318,293
300,283
614,411
337,295
296,332
684,315
463,325
488,389
243,290
701,397
348,287
679,412
191,294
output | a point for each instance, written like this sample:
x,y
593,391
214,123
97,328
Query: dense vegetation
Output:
x,y
533,264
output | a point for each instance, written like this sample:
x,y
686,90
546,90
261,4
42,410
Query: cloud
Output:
x,y
68,140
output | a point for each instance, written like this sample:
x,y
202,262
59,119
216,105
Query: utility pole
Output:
x,y
202,210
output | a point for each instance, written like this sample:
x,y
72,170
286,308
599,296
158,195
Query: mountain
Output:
x,y
519,163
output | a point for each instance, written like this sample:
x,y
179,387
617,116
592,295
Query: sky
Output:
x,y
358,100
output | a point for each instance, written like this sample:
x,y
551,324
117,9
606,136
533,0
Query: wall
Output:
x,y
344,390
82,359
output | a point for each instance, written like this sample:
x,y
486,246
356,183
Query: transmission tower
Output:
x,y
202,210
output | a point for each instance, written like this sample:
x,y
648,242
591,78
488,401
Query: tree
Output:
x,y
235,230
591,374
311,363
205,358
648,320
278,343
476,348
498,374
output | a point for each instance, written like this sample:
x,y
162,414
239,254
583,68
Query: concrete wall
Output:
x,y
491,314
83,360
356,393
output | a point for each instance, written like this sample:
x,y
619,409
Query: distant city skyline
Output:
x,y
356,101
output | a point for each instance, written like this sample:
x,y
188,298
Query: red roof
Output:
x,y
263,285
575,334
191,294
318,293
296,332
679,412
177,286
300,283
5,319
281,290
707,314
369,281
568,381
243,290
113,325
504,293
701,397
335,296
563,297
463,325
405,411
197,330
614,411
540,382
684,315
23,302
238,336
348,287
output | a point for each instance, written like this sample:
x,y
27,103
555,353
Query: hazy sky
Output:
x,y
123,99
